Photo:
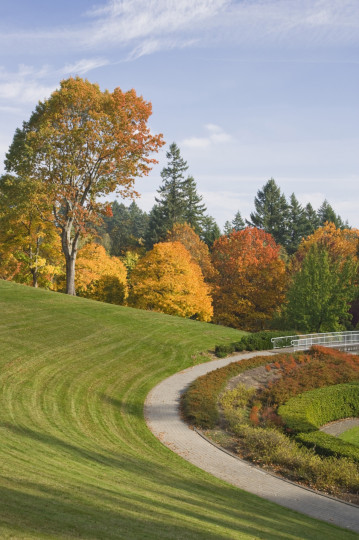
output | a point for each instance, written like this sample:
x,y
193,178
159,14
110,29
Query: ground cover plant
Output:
x,y
78,460
263,432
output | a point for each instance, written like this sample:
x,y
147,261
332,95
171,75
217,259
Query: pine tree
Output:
x,y
312,221
271,212
326,213
237,224
210,231
194,208
297,224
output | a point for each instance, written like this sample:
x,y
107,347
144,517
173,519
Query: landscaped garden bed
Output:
x,y
269,412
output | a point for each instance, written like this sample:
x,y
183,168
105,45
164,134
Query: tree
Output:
x,y
326,214
312,221
251,280
319,297
237,224
210,231
100,276
83,144
271,213
167,280
25,236
297,224
195,246
194,208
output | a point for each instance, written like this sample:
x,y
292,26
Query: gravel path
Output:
x,y
162,417
338,427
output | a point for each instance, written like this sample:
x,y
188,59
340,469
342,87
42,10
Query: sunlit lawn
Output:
x,y
77,459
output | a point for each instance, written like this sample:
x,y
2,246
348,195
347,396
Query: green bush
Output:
x,y
235,402
259,341
327,445
310,410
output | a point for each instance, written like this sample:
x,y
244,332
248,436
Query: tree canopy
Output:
x,y
83,144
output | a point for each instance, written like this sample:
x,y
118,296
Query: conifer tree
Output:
x,y
237,224
210,231
312,221
194,208
297,224
271,213
326,214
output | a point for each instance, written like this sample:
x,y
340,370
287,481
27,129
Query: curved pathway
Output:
x,y
163,419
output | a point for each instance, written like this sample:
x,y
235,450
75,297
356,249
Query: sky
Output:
x,y
248,89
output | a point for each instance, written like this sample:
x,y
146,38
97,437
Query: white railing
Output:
x,y
330,339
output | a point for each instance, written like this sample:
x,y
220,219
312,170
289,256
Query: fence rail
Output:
x,y
338,340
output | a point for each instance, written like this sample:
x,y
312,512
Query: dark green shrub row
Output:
x,y
327,445
310,410
259,341
199,402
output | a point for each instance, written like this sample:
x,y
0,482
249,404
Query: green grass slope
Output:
x,y
77,460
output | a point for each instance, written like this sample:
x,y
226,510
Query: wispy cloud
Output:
x,y
84,66
140,27
215,135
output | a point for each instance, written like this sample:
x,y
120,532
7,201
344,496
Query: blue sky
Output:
x,y
248,89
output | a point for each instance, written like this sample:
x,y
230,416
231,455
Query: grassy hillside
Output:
x,y
77,460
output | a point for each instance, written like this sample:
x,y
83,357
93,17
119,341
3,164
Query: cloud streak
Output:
x,y
216,135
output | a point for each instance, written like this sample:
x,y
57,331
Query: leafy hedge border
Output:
x,y
310,410
328,445
259,341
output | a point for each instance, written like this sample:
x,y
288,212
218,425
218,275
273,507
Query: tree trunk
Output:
x,y
70,275
34,278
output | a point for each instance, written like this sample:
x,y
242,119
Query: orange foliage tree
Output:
x,y
251,279
340,243
184,233
83,144
166,279
100,276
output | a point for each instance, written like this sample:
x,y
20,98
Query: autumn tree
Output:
x,y
319,297
27,235
166,279
198,250
251,279
83,144
100,276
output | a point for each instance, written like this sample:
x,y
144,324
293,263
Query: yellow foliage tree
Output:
x,y
340,243
100,276
184,233
166,279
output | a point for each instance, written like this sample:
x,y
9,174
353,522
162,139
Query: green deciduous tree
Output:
x,y
319,297
83,144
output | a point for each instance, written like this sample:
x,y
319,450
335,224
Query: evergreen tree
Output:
x,y
210,231
297,224
326,213
312,221
271,213
194,208
237,224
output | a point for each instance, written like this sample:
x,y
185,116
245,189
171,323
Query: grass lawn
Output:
x,y
77,460
351,436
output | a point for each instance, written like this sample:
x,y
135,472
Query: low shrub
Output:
x,y
309,370
234,404
312,409
327,445
258,341
271,447
199,401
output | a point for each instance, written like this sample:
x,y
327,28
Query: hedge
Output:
x,y
310,410
259,341
327,445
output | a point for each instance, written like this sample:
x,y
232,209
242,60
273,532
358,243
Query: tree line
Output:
x,y
287,266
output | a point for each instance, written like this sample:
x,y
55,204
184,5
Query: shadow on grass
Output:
x,y
141,498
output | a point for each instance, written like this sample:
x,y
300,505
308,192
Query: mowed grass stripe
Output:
x,y
77,459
